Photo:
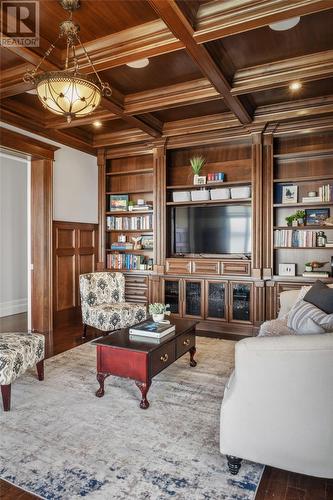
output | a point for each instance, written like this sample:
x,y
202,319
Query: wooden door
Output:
x,y
240,302
193,298
216,300
172,293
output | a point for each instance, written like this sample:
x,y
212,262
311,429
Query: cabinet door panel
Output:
x,y
193,299
241,302
216,300
172,295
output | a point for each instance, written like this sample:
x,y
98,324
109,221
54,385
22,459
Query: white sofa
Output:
x,y
278,404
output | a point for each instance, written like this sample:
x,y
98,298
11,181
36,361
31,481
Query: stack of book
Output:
x,y
150,329
146,206
129,223
325,194
117,245
315,274
294,238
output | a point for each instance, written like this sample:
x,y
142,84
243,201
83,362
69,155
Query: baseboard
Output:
x,y
13,307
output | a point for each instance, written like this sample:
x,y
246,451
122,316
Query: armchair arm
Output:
x,y
278,409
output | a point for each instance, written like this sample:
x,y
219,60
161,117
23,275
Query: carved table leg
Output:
x,y
234,464
100,378
40,369
192,353
5,391
144,388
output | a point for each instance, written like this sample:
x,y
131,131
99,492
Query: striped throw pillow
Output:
x,y
306,319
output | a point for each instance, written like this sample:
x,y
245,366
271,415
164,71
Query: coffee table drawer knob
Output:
x,y
164,358
186,342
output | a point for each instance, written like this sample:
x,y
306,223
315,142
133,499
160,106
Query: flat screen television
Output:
x,y
211,230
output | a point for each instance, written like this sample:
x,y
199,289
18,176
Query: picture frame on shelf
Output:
x,y
316,216
118,202
199,180
289,194
147,242
287,269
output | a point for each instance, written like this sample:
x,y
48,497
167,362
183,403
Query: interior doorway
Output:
x,y
15,242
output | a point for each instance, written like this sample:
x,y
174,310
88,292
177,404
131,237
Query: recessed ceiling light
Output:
x,y
97,124
295,86
287,24
141,63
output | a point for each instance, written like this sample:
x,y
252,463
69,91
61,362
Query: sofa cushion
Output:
x,y
109,317
321,296
275,328
305,318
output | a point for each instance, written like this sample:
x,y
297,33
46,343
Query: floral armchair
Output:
x,y
103,303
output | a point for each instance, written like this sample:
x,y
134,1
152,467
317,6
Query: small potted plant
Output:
x,y
289,220
130,206
197,162
308,267
300,216
158,311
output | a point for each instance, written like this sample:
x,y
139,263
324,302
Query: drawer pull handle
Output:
x,y
186,342
164,358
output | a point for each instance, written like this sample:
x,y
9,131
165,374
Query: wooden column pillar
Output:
x,y
101,160
257,187
267,212
41,247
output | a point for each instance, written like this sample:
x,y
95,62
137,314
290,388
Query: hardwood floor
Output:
x,y
276,484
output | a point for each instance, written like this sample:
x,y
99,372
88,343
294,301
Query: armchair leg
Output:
x,y
84,333
5,392
234,464
40,369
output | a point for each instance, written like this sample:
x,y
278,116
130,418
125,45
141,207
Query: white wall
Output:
x,y
75,182
13,235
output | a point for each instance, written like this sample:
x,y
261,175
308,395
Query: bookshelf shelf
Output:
x,y
303,248
304,179
304,228
131,172
141,231
132,191
129,212
306,205
209,185
240,201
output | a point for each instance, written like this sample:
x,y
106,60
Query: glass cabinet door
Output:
x,y
241,302
193,304
216,300
172,295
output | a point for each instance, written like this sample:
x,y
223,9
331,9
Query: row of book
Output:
x,y
295,239
129,223
124,261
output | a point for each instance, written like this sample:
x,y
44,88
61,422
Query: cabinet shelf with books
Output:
x,y
302,201
129,214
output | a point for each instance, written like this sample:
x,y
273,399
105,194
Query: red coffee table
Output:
x,y
118,354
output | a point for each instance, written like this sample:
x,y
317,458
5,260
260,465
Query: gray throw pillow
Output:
x,y
321,296
306,319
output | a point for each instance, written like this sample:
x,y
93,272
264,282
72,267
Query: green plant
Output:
x,y
290,219
300,214
131,203
197,162
158,308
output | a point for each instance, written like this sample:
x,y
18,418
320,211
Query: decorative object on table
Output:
x,y
140,202
240,192
296,219
153,329
289,194
312,269
316,216
147,242
118,202
122,238
321,239
197,163
220,194
130,206
328,221
136,240
200,195
308,267
215,177
287,269
68,92
312,194
158,310
200,180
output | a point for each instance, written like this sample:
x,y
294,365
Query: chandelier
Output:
x,y
68,92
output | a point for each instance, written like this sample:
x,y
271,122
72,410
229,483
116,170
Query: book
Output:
x,y
315,274
149,328
329,244
151,340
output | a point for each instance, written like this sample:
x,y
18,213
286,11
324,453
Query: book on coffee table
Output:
x,y
149,328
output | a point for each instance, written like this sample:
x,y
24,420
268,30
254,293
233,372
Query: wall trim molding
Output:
x,y
11,307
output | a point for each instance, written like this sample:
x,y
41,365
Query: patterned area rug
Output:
x,y
61,442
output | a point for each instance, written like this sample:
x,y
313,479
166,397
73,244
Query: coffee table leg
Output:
x,y
192,353
144,388
100,378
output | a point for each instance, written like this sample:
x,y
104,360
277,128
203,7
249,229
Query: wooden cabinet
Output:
x,y
204,267
208,267
236,267
178,266
240,302
216,300
136,288
172,293
185,297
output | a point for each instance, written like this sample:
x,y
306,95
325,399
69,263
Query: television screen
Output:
x,y
212,229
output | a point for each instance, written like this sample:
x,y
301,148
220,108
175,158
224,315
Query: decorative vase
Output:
x,y
308,269
157,318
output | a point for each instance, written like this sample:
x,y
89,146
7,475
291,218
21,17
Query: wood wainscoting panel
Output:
x,y
74,253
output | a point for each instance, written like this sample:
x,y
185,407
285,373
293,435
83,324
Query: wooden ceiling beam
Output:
x,y
173,17
294,110
281,73
61,123
200,124
220,19
128,136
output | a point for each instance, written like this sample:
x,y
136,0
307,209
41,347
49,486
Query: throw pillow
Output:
x,y
301,314
320,295
275,328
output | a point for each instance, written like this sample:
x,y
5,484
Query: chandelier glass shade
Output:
x,y
68,94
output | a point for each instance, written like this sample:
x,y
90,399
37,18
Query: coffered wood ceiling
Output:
x,y
214,66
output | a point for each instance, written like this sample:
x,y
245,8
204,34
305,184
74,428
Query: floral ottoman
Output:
x,y
18,352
